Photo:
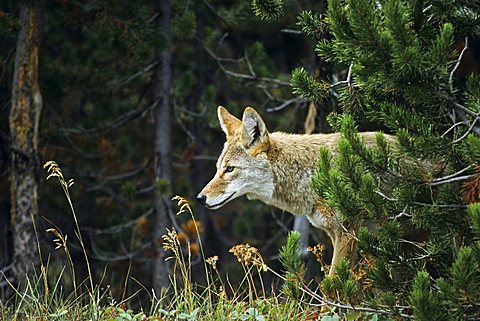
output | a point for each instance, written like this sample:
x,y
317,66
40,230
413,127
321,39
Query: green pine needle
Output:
x,y
425,304
290,254
307,86
268,9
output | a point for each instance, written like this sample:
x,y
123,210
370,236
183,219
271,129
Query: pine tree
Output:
x,y
421,191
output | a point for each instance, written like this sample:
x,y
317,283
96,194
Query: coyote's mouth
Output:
x,y
218,205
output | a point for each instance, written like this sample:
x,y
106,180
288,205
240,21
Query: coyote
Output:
x,y
276,168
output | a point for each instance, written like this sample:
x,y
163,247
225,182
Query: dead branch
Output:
x,y
251,76
125,80
119,121
117,228
287,103
457,64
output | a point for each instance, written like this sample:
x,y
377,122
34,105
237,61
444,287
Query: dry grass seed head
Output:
x,y
53,170
170,241
183,204
365,264
61,240
319,252
213,261
247,254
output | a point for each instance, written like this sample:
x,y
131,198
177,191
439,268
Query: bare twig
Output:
x,y
126,80
244,76
112,257
268,94
180,123
463,170
279,222
347,81
386,197
403,213
468,131
117,228
119,121
146,190
452,127
5,63
205,157
451,180
292,31
351,307
441,205
110,192
462,112
6,268
103,179
459,61
249,64
286,103
199,114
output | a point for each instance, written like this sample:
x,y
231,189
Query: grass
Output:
x,y
42,297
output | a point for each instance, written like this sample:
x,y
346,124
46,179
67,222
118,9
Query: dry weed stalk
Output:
x,y
319,252
54,170
61,243
249,256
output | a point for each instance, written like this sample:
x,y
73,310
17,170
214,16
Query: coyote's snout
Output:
x,y
277,169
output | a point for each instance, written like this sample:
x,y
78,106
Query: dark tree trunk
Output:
x,y
161,93
24,121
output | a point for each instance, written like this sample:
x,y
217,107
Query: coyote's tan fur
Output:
x,y
276,168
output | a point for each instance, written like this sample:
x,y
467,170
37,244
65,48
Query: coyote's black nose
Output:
x,y
202,199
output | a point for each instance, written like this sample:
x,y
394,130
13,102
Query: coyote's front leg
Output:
x,y
344,247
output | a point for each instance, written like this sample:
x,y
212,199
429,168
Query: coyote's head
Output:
x,y
243,168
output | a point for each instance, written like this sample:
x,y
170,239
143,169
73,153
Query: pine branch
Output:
x,y
268,9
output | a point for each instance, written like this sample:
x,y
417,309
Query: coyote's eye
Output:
x,y
229,169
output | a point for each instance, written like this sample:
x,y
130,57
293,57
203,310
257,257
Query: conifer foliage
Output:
x,y
419,192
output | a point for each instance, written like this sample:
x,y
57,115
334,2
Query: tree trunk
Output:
x,y
24,121
161,93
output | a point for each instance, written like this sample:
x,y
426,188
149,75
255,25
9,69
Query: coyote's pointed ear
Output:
x,y
228,122
254,129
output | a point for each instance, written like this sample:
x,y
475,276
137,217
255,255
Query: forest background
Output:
x,y
100,76
123,96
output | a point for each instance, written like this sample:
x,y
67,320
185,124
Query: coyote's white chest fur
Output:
x,y
276,168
